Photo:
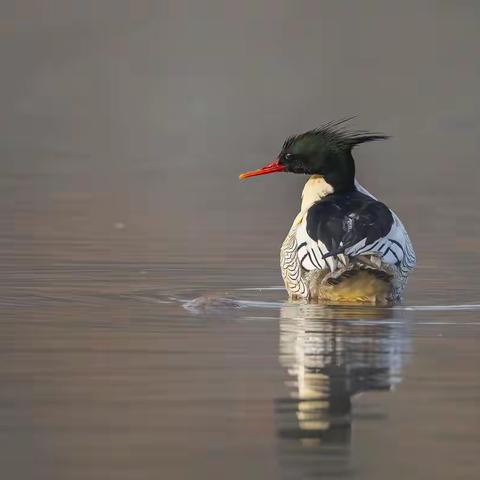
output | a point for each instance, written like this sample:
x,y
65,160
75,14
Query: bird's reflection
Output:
x,y
331,354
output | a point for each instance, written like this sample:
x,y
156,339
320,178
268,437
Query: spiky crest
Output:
x,y
335,135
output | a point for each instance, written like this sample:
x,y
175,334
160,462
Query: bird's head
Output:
x,y
325,151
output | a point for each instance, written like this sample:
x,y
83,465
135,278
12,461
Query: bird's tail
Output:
x,y
356,284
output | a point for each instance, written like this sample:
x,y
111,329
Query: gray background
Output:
x,y
200,91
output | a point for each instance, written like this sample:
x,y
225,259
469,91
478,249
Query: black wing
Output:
x,y
341,221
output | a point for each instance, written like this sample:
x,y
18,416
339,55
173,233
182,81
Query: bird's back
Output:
x,y
341,221
347,247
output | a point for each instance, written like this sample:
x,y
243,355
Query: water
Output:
x,y
112,368
125,126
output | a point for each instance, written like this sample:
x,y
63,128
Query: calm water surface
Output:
x,y
125,126
109,370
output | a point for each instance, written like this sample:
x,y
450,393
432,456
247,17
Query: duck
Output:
x,y
344,246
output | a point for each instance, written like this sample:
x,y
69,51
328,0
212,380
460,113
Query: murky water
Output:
x,y
143,332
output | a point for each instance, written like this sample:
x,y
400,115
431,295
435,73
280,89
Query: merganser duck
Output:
x,y
344,246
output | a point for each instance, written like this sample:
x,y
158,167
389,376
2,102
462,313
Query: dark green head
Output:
x,y
325,151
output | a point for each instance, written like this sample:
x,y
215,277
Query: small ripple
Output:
x,y
438,308
196,301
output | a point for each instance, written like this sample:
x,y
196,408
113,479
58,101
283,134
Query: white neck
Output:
x,y
314,190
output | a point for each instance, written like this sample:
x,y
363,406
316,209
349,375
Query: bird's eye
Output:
x,y
288,156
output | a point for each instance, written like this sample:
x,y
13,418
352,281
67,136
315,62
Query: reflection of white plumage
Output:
x,y
344,245
329,359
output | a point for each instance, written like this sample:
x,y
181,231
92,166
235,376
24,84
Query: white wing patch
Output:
x,y
395,248
312,254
